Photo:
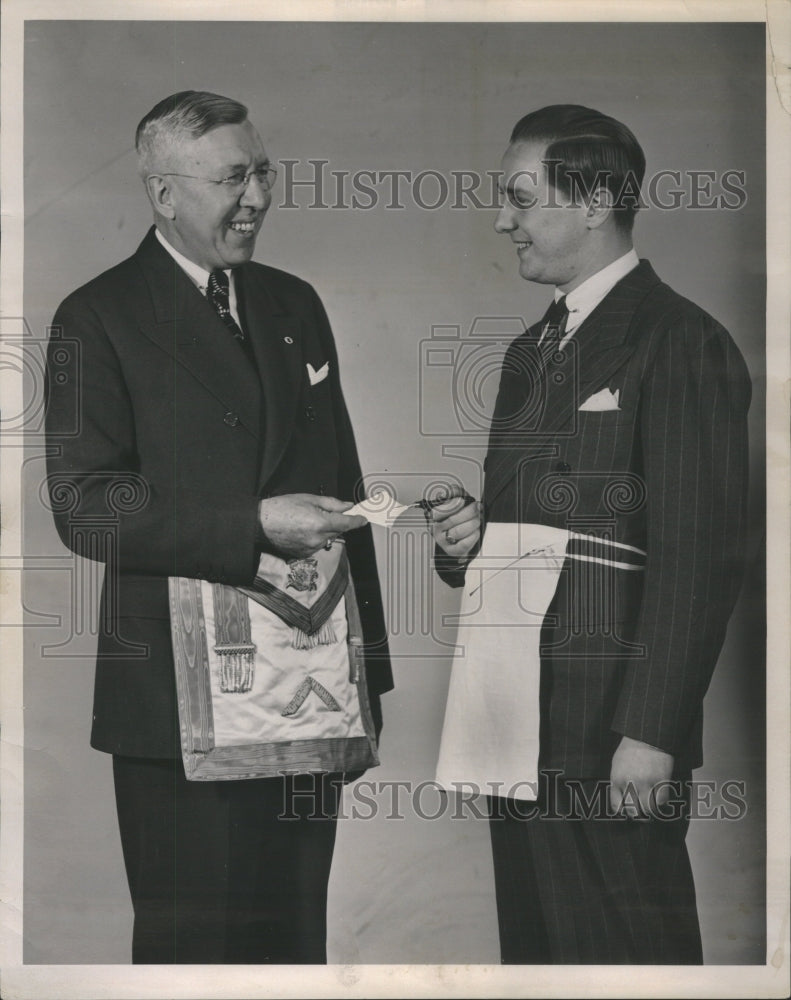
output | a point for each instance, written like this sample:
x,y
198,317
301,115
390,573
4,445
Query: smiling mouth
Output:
x,y
245,228
522,246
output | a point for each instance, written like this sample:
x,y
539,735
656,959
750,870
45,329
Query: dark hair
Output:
x,y
188,114
587,150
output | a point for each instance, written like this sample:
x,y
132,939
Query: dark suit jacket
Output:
x,y
625,652
167,438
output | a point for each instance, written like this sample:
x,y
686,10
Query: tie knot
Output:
x,y
218,283
556,313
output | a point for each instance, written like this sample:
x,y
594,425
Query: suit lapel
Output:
x,y
276,337
512,440
185,326
598,348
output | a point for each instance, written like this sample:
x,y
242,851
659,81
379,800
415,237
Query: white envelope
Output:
x,y
381,508
600,401
318,376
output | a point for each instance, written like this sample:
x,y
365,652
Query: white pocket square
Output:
x,y
604,400
318,376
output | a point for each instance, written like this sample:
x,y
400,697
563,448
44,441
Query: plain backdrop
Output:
x,y
437,97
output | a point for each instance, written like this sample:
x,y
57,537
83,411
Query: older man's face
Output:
x,y
216,225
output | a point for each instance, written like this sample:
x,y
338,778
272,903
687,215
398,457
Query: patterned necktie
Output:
x,y
218,294
553,328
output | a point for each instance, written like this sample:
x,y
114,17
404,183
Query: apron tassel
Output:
x,y
324,636
237,667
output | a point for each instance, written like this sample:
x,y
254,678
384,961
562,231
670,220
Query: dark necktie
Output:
x,y
218,294
553,327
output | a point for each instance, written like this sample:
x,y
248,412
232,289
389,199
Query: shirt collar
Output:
x,y
585,297
199,275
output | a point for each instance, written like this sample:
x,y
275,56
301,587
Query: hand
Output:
x,y
636,769
297,524
456,523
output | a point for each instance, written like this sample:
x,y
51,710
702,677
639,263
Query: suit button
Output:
x,y
321,489
231,419
310,413
563,467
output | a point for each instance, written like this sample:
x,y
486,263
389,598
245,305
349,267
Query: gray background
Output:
x,y
381,97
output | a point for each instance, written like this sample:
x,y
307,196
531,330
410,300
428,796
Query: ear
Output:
x,y
599,208
160,195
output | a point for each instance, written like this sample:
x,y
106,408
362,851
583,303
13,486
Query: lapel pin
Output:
x,y
289,340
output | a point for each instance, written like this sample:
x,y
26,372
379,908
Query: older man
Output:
x,y
212,444
614,504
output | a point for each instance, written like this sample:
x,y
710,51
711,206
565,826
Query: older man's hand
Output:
x,y
456,523
297,524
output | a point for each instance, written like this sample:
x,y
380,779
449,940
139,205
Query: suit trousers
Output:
x,y
226,871
576,885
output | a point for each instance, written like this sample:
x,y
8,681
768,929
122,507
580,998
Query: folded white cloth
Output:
x,y
604,400
490,733
318,376
490,736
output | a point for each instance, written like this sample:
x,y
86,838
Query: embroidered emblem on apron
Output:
x,y
302,574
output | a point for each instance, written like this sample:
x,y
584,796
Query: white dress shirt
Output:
x,y
583,300
200,277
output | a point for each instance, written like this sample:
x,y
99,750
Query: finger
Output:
x,y
461,530
646,803
659,797
454,541
333,505
445,536
632,805
458,526
633,813
447,507
469,515
446,492
460,549
449,523
466,532
345,522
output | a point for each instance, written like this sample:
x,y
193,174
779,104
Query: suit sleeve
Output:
x,y
359,543
694,442
105,504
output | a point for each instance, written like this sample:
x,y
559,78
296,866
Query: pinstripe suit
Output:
x,y
666,473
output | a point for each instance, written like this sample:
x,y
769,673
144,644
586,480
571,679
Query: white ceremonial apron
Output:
x,y
260,696
490,737
490,733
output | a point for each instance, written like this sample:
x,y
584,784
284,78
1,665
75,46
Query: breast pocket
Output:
x,y
316,403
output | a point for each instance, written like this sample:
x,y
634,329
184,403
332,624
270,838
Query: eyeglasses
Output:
x,y
237,182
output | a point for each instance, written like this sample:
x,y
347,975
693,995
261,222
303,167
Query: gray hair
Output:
x,y
186,115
